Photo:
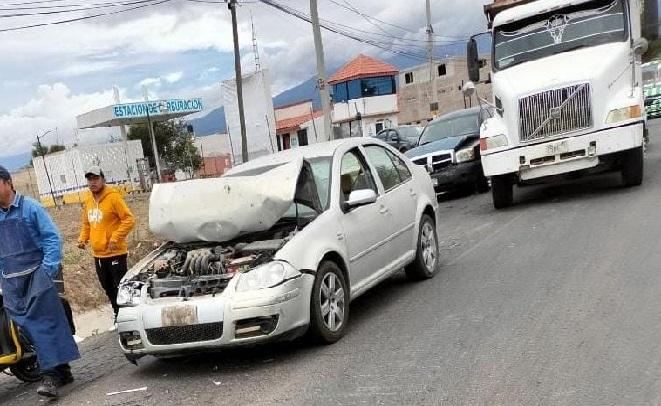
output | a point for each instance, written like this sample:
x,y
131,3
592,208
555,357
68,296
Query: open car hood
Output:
x,y
221,209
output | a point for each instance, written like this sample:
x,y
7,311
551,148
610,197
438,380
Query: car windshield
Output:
x,y
585,25
451,127
321,169
412,133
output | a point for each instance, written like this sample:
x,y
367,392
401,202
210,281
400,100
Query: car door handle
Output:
x,y
340,236
383,210
413,193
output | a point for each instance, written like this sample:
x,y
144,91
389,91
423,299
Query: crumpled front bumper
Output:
x,y
456,175
171,326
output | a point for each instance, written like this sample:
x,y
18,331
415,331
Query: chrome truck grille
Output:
x,y
555,112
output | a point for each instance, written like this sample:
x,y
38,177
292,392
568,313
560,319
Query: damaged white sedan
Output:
x,y
276,248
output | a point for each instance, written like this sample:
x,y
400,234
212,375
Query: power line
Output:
x,y
54,6
23,27
93,7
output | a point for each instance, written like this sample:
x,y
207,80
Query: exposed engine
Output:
x,y
186,270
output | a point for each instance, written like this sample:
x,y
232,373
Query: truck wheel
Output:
x,y
482,184
632,167
502,191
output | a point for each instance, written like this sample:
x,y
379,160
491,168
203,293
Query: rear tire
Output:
x,y
502,191
425,264
632,167
26,370
329,304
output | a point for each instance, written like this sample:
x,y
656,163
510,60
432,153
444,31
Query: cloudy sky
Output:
x,y
180,48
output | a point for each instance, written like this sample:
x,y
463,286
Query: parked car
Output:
x,y
449,149
276,247
652,102
402,138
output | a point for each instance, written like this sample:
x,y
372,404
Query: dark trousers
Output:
x,y
110,272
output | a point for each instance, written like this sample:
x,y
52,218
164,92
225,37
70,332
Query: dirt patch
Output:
x,y
81,283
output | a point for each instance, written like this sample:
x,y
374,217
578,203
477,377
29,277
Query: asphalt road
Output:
x,y
554,301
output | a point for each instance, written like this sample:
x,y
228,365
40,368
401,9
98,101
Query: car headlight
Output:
x,y
626,113
465,155
266,276
497,141
129,293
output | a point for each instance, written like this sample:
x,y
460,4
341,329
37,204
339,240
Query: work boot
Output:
x,y
48,387
65,375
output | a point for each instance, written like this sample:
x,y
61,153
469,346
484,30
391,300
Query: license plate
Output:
x,y
557,148
434,181
179,316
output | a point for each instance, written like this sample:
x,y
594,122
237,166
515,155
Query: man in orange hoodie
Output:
x,y
107,221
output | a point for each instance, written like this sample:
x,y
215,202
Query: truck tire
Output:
x,y
632,167
502,191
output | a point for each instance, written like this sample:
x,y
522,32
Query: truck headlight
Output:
x,y
497,141
129,293
266,276
623,114
465,155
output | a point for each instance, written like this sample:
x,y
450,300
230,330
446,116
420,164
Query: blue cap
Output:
x,y
4,173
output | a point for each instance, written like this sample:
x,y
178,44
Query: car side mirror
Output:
x,y
359,198
640,46
473,61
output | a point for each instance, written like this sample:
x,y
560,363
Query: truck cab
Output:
x,y
568,92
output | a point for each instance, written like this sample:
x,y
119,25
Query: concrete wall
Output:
x,y
367,106
414,98
292,111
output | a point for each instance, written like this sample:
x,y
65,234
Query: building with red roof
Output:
x,y
297,125
364,97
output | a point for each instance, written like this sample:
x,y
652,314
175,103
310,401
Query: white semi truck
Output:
x,y
567,92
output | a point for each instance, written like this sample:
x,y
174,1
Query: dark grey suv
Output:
x,y
403,137
449,148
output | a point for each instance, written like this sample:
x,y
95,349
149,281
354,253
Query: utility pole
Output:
x,y
430,55
321,70
43,159
239,85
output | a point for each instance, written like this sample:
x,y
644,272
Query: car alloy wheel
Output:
x,y
428,247
331,298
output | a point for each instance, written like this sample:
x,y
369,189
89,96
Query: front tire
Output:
x,y
632,167
329,304
502,191
425,264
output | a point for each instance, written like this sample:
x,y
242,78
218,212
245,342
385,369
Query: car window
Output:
x,y
402,169
412,133
392,136
382,135
355,175
378,156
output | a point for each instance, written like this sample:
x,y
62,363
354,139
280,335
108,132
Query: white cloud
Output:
x,y
147,82
174,77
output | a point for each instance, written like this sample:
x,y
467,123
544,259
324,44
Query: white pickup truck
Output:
x,y
567,89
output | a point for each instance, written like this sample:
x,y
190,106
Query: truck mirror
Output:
x,y
640,46
473,61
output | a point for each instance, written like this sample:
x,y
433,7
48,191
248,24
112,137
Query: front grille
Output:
x,y
422,161
437,167
439,158
555,112
184,334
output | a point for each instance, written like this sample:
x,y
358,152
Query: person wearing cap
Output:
x,y
30,256
107,221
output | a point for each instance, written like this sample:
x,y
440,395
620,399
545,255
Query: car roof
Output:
x,y
458,113
321,149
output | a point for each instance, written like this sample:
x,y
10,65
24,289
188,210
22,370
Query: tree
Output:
x,y
174,143
56,148
39,151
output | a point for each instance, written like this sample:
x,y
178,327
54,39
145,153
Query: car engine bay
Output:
x,y
195,269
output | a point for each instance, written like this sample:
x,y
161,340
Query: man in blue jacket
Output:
x,y
30,255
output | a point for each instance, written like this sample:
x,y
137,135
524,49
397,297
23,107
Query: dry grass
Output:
x,y
81,283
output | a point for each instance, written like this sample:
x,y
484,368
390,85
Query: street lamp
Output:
x,y
43,159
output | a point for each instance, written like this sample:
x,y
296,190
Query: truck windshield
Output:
x,y
584,25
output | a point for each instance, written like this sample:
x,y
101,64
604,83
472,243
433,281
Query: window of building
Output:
x,y
379,127
340,93
286,144
378,86
442,70
302,137
408,77
277,138
483,63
